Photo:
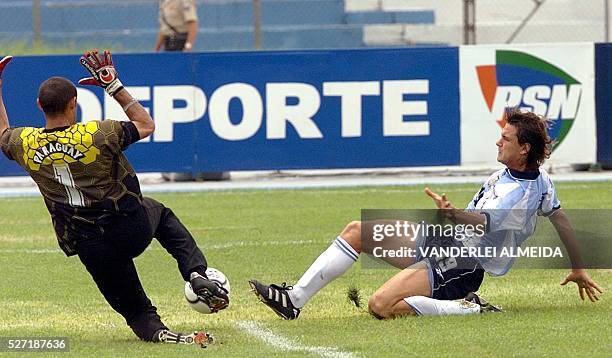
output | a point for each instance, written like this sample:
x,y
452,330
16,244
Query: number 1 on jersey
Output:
x,y
64,177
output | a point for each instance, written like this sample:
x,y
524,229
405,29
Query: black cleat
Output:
x,y
484,305
210,292
277,298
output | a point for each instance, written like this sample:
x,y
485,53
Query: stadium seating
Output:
x,y
390,17
131,25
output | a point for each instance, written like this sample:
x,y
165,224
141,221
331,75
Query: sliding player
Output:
x,y
507,205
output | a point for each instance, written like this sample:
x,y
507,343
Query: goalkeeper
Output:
x,y
94,198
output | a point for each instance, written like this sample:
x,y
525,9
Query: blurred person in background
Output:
x,y
178,21
178,25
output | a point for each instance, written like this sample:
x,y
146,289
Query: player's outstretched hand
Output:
x,y
3,64
102,70
586,285
445,206
440,200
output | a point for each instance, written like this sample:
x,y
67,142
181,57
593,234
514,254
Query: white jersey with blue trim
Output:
x,y
511,200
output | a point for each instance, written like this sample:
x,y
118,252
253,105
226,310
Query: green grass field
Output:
x,y
274,236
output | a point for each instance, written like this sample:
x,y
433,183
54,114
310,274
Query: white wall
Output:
x,y
555,21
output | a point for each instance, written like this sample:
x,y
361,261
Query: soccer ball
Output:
x,y
194,301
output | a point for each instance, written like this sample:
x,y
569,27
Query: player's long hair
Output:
x,y
532,129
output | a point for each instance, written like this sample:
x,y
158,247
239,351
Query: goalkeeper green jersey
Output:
x,y
81,172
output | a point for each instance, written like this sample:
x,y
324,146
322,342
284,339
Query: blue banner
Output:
x,y
269,110
603,102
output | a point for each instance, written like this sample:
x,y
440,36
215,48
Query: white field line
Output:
x,y
30,251
23,325
284,344
314,183
227,245
46,325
